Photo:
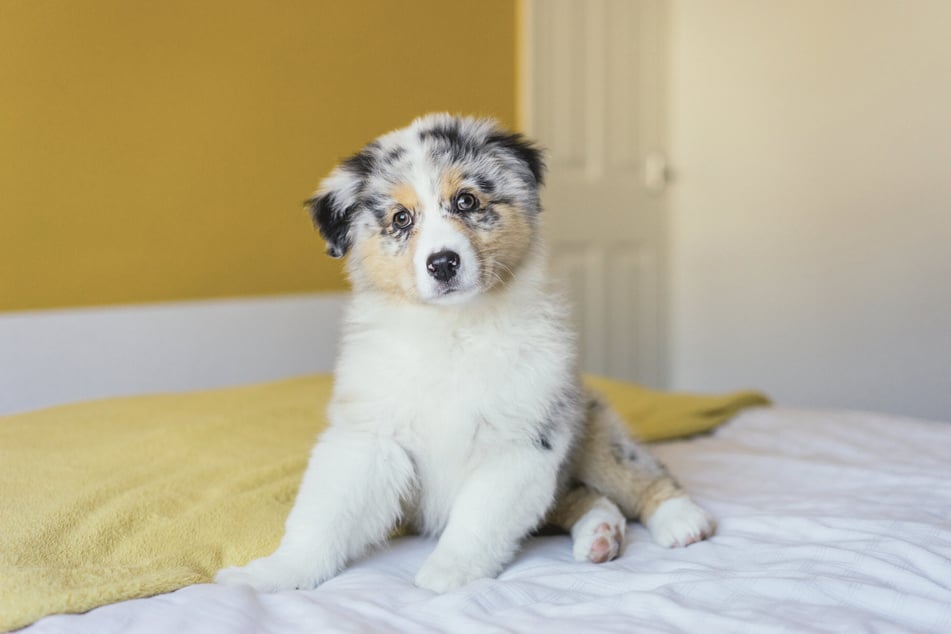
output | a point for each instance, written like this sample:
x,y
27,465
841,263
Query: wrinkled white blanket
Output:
x,y
829,521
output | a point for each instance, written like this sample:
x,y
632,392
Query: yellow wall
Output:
x,y
156,151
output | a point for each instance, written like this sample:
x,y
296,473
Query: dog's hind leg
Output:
x,y
596,524
612,464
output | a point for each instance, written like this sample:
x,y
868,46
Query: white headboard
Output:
x,y
59,356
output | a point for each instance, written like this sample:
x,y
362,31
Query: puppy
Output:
x,y
457,409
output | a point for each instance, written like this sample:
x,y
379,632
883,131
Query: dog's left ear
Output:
x,y
524,150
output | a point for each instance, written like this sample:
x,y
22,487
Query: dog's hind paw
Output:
x,y
680,522
599,534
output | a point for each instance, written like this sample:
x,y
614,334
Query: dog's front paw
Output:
x,y
269,574
680,522
440,576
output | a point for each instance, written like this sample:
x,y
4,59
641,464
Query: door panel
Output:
x,y
593,96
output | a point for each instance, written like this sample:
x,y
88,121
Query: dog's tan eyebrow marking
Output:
x,y
453,180
449,183
405,195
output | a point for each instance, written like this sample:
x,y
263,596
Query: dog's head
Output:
x,y
437,212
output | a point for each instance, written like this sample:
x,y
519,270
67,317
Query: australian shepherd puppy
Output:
x,y
458,409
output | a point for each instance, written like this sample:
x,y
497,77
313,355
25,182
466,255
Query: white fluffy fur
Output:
x,y
471,478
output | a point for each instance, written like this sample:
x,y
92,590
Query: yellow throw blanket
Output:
x,y
131,497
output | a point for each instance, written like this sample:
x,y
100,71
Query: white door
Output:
x,y
592,94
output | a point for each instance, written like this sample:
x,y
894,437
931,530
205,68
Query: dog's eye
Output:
x,y
402,219
466,202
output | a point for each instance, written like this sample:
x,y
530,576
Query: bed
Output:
x,y
828,521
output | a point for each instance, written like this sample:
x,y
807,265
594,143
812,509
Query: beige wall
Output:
x,y
157,151
811,224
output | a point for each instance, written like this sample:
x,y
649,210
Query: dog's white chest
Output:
x,y
446,401
450,392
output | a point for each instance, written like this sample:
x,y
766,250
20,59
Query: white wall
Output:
x,y
59,356
811,211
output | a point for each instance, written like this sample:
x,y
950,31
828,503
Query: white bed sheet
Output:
x,y
829,521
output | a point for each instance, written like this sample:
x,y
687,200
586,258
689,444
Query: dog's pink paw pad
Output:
x,y
600,550
597,540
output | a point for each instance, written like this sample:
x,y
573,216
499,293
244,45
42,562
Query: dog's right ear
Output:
x,y
336,202
333,221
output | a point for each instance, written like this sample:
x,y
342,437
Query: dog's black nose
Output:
x,y
442,265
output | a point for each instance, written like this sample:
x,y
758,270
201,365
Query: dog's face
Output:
x,y
438,212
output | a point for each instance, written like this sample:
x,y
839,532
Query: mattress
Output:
x,y
828,521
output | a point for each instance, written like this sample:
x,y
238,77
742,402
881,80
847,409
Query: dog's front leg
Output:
x,y
348,500
503,500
